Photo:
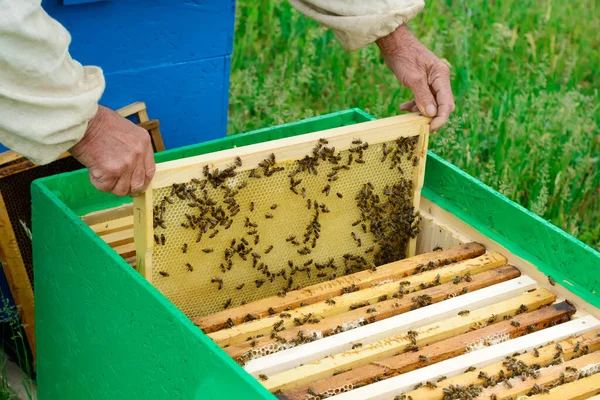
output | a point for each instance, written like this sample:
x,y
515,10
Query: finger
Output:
x,y
102,182
149,164
123,185
445,100
415,109
424,98
138,177
408,105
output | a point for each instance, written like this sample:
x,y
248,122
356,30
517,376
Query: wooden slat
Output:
x,y
113,225
427,334
418,178
434,353
580,389
545,356
16,275
118,238
310,352
323,309
126,250
486,357
134,108
143,234
381,310
378,131
110,214
547,376
324,290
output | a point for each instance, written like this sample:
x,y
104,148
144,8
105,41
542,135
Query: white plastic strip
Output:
x,y
291,358
389,388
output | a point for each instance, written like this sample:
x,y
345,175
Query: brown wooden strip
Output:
x,y
547,376
580,389
392,345
377,312
360,280
543,356
357,299
434,353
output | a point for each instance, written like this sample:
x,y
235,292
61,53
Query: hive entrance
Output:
x,y
247,223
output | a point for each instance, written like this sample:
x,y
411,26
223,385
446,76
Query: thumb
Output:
x,y
424,98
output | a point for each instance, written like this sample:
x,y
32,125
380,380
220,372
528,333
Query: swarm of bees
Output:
x,y
386,219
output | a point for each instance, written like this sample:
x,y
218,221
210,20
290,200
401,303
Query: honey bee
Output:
x,y
423,358
463,313
189,267
208,250
162,239
356,346
156,239
259,282
551,281
218,281
268,250
227,304
240,286
268,216
273,206
163,273
263,377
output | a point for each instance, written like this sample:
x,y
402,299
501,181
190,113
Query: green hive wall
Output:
x,y
104,332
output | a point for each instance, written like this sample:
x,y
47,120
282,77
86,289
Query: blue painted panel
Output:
x,y
74,2
189,99
121,35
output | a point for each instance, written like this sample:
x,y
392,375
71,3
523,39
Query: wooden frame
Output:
x,y
17,278
287,149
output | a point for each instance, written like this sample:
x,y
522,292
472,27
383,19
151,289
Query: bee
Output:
x,y
522,309
551,281
290,238
251,206
423,358
259,282
536,353
273,206
219,281
330,302
369,250
208,250
227,304
306,264
162,239
356,346
371,310
163,273
263,377
268,215
515,323
189,267
215,232
244,241
238,161
240,286
577,346
156,239
441,378
430,385
463,313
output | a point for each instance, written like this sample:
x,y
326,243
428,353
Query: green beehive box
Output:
x,y
104,332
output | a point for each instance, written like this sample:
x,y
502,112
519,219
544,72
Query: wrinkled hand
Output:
x,y
117,153
421,71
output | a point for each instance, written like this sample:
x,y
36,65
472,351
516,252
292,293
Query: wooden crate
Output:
x,y
111,314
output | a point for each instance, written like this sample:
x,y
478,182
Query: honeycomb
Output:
x,y
270,224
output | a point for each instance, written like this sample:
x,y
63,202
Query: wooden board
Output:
x,y
377,312
324,309
436,352
322,291
427,334
314,351
543,357
404,383
580,389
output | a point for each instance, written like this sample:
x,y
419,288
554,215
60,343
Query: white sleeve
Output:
x,y
46,98
358,23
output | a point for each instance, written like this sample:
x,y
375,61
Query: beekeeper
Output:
x,y
49,102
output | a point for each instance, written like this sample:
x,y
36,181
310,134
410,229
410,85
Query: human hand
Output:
x,y
421,71
117,153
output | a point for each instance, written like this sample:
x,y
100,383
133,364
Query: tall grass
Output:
x,y
10,320
525,75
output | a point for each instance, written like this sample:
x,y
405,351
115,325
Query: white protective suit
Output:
x,y
47,98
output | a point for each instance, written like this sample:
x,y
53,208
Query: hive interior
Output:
x,y
201,280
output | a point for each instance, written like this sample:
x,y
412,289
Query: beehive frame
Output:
x,y
372,136
121,308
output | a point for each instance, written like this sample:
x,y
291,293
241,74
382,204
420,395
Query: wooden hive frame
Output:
x,y
449,195
284,151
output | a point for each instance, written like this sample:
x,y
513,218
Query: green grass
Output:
x,y
525,74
